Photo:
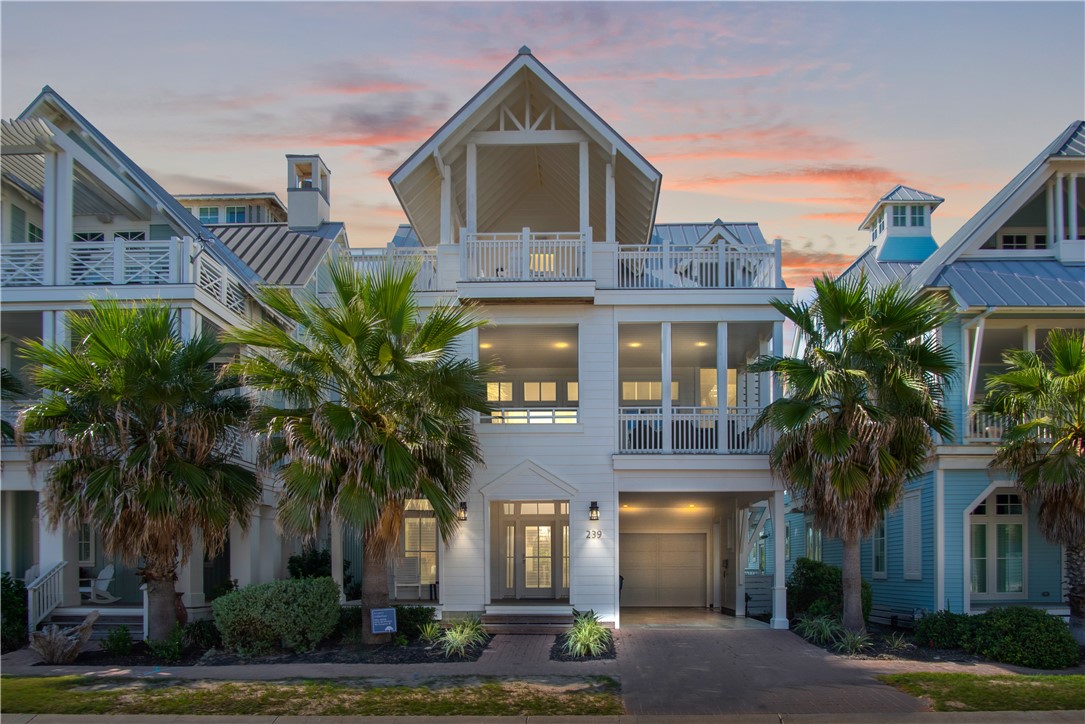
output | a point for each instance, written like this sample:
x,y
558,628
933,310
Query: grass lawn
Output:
x,y
83,695
972,692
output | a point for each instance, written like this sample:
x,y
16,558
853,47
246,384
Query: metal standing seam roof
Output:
x,y
900,193
878,273
1014,283
275,253
1075,144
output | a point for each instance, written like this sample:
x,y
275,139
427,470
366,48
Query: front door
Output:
x,y
531,555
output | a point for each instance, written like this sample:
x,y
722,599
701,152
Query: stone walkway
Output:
x,y
664,672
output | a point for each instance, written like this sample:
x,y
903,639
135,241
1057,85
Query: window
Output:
x,y
572,391
900,216
1015,241
540,391
813,542
86,545
34,233
499,392
89,236
650,390
997,559
537,370
881,224
419,544
130,235
878,550
1039,241
787,542
919,216
209,214
913,538
234,214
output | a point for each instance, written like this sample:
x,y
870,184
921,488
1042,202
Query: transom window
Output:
x,y
900,216
209,214
235,214
998,539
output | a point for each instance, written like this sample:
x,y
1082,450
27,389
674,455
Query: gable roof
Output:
x,y
1013,283
897,194
1069,143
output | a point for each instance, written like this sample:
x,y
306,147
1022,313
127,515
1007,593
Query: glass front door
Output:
x,y
531,557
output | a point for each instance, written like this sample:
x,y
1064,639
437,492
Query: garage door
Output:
x,y
663,569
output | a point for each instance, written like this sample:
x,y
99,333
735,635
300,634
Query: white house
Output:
x,y
620,467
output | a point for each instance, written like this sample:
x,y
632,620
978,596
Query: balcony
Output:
x,y
421,259
984,427
121,263
696,267
526,257
691,430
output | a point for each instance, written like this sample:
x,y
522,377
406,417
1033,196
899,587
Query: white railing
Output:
x,y
640,429
741,437
531,416
22,264
525,256
124,262
44,594
216,281
985,426
421,259
695,429
718,266
692,430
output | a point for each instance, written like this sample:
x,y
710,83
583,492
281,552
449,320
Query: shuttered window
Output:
x,y
913,537
878,550
18,225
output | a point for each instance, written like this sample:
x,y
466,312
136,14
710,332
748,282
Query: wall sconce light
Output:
x,y
593,511
462,514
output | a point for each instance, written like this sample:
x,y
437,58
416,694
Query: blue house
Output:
x,y
961,538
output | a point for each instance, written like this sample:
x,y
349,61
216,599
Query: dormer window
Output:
x,y
919,217
209,215
235,214
900,216
881,224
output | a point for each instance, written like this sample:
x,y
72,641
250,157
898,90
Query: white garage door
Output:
x,y
663,569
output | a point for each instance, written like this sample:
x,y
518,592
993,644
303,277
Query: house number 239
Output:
x,y
594,534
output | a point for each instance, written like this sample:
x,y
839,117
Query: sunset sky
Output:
x,y
797,116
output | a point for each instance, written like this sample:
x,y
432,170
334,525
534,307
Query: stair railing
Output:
x,y
44,594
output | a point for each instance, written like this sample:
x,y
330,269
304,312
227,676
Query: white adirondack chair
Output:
x,y
97,590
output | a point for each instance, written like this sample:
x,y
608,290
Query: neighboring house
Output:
x,y
960,538
82,220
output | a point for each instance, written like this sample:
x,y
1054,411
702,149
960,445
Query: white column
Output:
x,y
612,232
48,327
190,575
741,516
7,530
1060,219
721,386
54,546
584,187
336,526
1050,214
763,378
446,205
62,213
1071,201
48,220
974,366
777,351
270,550
189,322
61,332
472,188
779,587
665,392
245,551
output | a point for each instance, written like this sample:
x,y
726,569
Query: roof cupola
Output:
x,y
900,225
308,191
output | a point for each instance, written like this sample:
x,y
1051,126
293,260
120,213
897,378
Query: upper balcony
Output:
x,y
569,264
120,262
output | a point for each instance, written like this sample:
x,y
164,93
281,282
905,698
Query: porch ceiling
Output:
x,y
692,501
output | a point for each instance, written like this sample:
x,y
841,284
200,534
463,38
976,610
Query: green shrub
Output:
x,y
430,632
1024,637
171,648
310,563
853,643
461,636
898,641
118,642
942,630
350,622
587,637
818,630
817,589
293,615
203,635
411,619
13,610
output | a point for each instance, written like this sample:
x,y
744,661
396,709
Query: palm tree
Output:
x,y
1044,448
859,407
138,432
11,388
375,409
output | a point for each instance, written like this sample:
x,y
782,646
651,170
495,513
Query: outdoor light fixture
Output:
x,y
462,515
593,511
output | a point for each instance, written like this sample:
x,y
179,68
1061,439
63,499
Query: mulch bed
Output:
x,y
557,651
332,652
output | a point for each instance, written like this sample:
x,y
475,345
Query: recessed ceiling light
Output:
x,y
485,345
702,344
561,345
634,344
692,505
625,505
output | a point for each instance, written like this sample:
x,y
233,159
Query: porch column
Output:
x,y
472,188
1060,219
189,322
721,386
245,551
48,219
270,551
584,187
190,575
611,224
446,205
55,546
62,215
665,392
1072,203
1050,198
7,517
779,587
777,351
764,378
336,527
741,517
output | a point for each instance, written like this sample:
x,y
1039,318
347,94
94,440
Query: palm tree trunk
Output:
x,y
853,586
1075,582
161,578
374,589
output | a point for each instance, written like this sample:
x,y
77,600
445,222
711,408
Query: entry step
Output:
x,y
527,622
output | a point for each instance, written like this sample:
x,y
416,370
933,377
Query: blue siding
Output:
x,y
962,487
953,339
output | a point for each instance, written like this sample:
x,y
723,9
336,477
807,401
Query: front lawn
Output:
x,y
83,695
973,692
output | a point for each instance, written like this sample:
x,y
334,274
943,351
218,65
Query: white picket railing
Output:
x,y
741,437
422,260
640,429
531,416
692,430
525,256
44,594
984,426
662,266
22,264
695,429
